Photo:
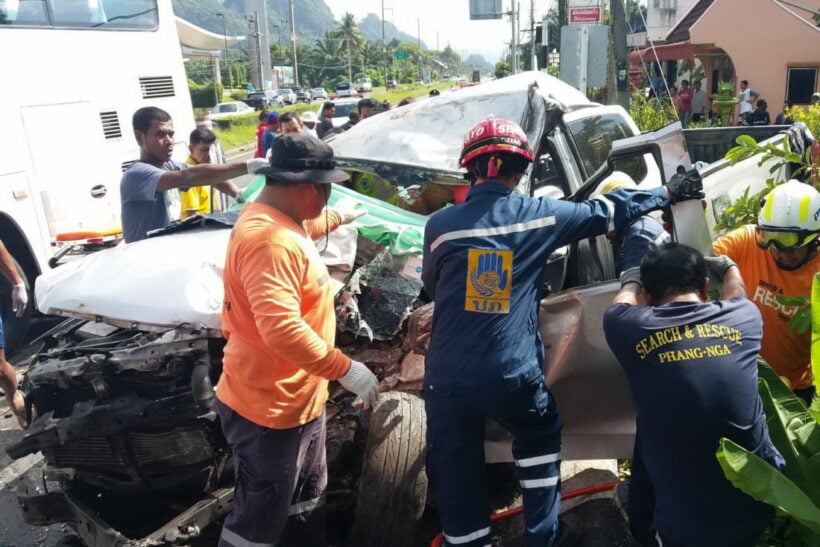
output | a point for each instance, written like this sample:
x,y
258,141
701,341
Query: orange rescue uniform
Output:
x,y
278,317
787,353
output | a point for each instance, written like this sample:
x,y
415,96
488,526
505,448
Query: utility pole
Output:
x,y
419,41
533,45
293,45
384,50
227,60
617,61
514,40
257,76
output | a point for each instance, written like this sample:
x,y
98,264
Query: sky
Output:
x,y
445,20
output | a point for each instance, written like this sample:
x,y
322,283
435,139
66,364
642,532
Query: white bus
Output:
x,y
74,72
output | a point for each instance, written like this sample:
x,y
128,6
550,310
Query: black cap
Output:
x,y
301,158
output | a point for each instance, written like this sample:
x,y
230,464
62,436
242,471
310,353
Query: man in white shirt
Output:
x,y
698,103
747,98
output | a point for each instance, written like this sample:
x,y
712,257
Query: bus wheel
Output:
x,y
393,484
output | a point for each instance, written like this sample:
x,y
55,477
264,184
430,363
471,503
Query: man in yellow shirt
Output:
x,y
279,320
196,200
778,257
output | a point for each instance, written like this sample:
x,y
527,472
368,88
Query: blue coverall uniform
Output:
x,y
484,266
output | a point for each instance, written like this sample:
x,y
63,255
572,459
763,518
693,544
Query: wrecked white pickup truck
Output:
x,y
122,390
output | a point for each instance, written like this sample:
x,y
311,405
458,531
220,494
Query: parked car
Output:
x,y
391,84
287,95
343,108
122,391
318,93
303,95
260,100
345,89
226,110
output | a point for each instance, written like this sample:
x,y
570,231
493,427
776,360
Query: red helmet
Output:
x,y
494,135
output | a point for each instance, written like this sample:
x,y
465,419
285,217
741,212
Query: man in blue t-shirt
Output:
x,y
143,186
692,368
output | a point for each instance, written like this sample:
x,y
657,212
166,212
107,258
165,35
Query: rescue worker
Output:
x,y
778,257
692,369
630,244
484,267
280,326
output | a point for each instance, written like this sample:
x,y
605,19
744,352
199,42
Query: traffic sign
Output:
x,y
401,54
584,16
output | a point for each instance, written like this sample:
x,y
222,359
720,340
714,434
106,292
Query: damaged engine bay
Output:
x,y
123,414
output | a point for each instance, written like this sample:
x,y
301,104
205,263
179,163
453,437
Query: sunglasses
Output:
x,y
783,241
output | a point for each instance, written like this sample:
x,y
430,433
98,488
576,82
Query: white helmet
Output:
x,y
617,180
790,216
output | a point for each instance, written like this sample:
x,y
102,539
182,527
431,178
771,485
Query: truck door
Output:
x,y
66,146
591,132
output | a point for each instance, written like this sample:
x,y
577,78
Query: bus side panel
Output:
x,y
68,169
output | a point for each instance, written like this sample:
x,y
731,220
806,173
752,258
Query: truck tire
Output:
x,y
14,328
393,484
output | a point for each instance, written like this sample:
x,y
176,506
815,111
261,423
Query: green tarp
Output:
x,y
399,230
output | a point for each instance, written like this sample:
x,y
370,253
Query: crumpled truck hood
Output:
x,y
427,135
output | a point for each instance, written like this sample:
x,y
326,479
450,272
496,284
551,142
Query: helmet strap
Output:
x,y
493,167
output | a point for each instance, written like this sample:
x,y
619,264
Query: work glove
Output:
x,y
349,216
631,275
685,186
256,164
359,380
719,265
19,299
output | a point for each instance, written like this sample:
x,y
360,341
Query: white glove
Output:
x,y
362,382
19,299
349,216
256,164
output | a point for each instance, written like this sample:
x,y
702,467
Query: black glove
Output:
x,y
685,186
631,275
719,265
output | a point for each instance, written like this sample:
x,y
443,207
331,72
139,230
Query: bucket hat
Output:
x,y
301,158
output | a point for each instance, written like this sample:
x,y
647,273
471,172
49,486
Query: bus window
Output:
x,y
103,14
23,12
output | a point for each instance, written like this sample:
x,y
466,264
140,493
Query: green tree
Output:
x,y
502,69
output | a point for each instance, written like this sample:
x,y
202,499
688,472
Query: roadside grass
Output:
x,y
236,136
238,131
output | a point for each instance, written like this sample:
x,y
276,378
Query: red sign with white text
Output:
x,y
585,15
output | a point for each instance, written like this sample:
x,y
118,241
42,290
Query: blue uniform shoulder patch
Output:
x,y
489,281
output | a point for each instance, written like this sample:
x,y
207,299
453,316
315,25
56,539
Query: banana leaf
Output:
x,y
764,483
795,432
815,343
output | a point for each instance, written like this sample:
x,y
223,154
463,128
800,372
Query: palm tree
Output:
x,y
349,32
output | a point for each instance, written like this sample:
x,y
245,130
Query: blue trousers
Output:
x,y
458,405
281,475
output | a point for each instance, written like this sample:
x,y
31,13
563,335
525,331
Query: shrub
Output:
x,y
225,124
239,94
203,95
650,114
